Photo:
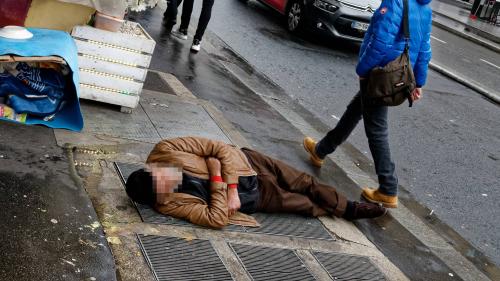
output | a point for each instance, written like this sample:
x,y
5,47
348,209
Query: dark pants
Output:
x,y
284,189
375,120
187,9
170,15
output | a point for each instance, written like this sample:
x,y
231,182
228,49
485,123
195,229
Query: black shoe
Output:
x,y
181,34
362,210
195,48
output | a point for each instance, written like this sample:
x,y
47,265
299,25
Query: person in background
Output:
x,y
211,183
383,42
170,17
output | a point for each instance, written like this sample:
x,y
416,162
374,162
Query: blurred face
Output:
x,y
166,179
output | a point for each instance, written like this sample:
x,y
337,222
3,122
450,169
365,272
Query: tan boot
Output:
x,y
310,147
374,196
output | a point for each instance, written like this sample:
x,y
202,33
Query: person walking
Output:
x,y
384,41
187,9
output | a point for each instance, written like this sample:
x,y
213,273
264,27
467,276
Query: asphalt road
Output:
x,y
446,148
467,59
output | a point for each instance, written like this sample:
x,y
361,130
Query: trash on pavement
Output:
x,y
38,81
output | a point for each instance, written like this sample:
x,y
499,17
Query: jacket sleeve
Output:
x,y
424,55
202,147
385,25
214,215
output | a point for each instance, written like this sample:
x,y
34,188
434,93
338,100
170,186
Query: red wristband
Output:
x,y
216,179
233,185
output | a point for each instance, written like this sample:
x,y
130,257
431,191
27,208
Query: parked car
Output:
x,y
346,19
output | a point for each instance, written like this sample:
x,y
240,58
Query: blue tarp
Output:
x,y
47,42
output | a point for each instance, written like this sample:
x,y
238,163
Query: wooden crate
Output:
x,y
113,65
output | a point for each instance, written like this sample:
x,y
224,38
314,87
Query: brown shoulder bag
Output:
x,y
392,84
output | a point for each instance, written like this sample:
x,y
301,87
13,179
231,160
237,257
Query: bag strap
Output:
x,y
406,23
406,31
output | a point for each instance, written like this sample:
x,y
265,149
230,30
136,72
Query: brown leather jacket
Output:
x,y
190,153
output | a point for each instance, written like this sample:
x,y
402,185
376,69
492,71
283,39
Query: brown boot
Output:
x,y
310,147
374,196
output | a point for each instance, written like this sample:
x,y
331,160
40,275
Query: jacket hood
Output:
x,y
424,2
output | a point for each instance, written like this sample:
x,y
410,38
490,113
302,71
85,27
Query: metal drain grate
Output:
x,y
264,263
290,225
172,258
126,169
348,267
273,224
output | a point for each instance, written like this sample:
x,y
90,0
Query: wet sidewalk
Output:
x,y
150,246
455,18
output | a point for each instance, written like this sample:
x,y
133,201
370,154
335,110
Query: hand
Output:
x,y
416,94
213,165
233,201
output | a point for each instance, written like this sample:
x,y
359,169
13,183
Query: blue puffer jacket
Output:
x,y
384,41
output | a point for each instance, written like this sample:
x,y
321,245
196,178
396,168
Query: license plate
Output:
x,y
360,25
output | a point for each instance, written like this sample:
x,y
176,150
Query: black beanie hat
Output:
x,y
139,187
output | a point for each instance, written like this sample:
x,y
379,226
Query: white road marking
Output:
x,y
437,39
492,64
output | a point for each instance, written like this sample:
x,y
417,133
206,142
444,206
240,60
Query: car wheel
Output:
x,y
295,16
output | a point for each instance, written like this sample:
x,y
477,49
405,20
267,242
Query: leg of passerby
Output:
x,y
338,135
187,10
206,14
286,189
375,120
170,15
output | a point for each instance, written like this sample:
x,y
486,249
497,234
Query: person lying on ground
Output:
x,y
211,183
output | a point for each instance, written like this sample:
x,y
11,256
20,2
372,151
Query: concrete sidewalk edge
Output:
x,y
489,41
462,80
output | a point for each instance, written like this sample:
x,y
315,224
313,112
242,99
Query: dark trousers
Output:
x,y
284,189
187,10
170,15
375,121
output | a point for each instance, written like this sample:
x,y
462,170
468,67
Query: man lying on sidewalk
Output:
x,y
212,184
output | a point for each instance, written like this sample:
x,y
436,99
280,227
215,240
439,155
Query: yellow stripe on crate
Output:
x,y
108,60
107,89
113,46
106,74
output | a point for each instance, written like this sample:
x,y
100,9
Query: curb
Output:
x,y
493,97
484,43
473,29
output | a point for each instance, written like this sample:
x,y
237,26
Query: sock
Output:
x,y
349,210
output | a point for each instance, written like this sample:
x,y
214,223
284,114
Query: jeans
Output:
x,y
187,9
375,120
